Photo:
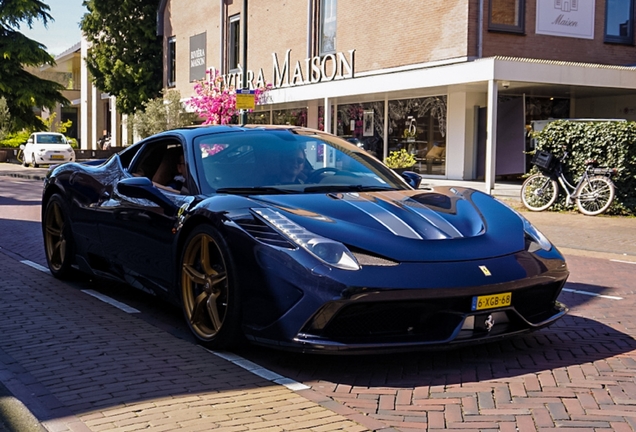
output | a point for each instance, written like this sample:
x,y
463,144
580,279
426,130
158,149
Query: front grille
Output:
x,y
431,319
533,302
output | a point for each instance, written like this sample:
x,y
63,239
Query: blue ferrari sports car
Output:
x,y
297,239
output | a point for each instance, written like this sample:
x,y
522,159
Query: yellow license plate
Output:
x,y
57,157
492,301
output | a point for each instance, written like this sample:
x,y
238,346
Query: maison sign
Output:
x,y
312,70
197,57
567,18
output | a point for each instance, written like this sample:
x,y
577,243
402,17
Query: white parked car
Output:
x,y
47,148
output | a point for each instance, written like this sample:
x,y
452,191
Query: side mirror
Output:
x,y
412,178
142,187
30,141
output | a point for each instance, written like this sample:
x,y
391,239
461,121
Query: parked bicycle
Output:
x,y
593,193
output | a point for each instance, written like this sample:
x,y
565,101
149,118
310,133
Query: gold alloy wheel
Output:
x,y
204,285
54,238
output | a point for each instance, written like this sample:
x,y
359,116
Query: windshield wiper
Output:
x,y
254,190
348,188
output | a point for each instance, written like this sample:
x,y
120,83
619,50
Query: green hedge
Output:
x,y
612,144
14,140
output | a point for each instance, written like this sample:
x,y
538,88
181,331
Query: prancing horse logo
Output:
x,y
485,270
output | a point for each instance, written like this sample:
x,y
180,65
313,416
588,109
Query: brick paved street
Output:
x,y
81,365
96,368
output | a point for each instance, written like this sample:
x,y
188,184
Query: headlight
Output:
x,y
329,251
536,236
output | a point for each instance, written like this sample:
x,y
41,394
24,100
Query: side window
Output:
x,y
234,42
507,16
172,61
327,39
619,21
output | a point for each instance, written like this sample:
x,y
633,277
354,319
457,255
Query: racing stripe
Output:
x,y
390,221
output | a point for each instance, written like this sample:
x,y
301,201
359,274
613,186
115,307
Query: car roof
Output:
x,y
194,131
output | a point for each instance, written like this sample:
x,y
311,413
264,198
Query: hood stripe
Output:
x,y
391,222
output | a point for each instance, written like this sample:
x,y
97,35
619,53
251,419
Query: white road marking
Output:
x,y
592,294
260,371
35,266
624,262
95,294
111,301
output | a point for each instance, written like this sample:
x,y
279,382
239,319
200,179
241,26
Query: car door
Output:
x,y
139,235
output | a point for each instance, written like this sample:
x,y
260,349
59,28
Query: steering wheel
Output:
x,y
316,176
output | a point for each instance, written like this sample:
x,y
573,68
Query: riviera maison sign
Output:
x,y
312,70
568,18
197,57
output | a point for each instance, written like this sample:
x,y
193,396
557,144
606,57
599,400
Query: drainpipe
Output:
x,y
244,112
480,30
309,27
222,36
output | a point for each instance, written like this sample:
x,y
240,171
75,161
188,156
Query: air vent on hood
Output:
x,y
264,233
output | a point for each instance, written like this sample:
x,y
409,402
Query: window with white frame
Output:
x,y
327,38
619,21
234,42
172,61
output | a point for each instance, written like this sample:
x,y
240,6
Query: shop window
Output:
x,y
293,117
419,126
328,26
619,21
172,61
363,125
234,43
506,16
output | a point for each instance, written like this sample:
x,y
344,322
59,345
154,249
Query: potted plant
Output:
x,y
409,134
400,160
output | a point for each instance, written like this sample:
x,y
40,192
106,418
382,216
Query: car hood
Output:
x,y
439,224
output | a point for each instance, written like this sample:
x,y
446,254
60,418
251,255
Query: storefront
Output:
x,y
463,120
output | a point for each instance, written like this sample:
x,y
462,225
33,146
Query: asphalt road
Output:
x,y
59,343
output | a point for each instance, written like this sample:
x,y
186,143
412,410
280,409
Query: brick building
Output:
x,y
434,77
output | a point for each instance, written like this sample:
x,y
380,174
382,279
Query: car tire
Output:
x,y
33,161
59,246
210,296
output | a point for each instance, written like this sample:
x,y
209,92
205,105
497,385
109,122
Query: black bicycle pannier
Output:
x,y
544,160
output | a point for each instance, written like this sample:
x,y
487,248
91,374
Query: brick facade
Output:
x,y
385,34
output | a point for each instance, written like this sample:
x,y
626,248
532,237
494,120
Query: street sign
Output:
x,y
245,99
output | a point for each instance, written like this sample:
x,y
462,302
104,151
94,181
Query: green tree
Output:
x,y
5,117
162,113
21,89
125,57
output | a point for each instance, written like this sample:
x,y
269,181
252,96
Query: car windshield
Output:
x,y
50,139
261,161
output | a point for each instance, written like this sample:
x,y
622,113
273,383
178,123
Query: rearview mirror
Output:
x,y
412,178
